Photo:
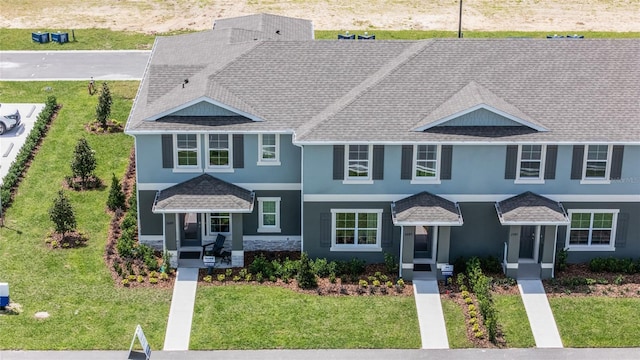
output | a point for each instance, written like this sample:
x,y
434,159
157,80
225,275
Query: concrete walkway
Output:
x,y
181,312
430,316
543,325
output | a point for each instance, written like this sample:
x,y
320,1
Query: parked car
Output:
x,y
9,118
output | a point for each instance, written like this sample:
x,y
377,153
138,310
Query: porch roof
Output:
x,y
531,209
204,193
426,209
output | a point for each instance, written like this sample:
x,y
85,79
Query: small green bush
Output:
x,y
261,265
363,283
306,277
221,277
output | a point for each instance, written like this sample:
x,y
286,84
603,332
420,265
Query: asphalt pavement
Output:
x,y
72,65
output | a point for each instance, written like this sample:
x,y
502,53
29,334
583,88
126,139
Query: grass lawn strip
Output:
x,y
455,321
265,317
513,321
73,285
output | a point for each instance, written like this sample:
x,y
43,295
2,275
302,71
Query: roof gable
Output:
x,y
459,110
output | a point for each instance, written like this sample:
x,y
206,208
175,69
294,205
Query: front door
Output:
x,y
191,228
423,244
528,243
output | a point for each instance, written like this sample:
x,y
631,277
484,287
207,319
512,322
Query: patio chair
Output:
x,y
218,249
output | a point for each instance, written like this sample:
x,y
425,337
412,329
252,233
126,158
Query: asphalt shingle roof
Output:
x,y
204,193
343,91
531,208
426,209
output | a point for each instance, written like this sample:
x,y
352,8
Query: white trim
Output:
x,y
229,148
512,265
248,186
143,238
269,162
449,142
268,228
540,178
427,223
407,266
199,100
187,168
607,169
521,223
357,247
470,197
272,237
546,265
425,179
237,253
358,179
201,211
589,247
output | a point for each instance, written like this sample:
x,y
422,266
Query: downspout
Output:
x,y
401,250
293,141
555,242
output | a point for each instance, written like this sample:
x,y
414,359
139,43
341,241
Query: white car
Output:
x,y
9,118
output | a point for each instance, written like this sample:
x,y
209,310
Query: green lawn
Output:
x,y
263,317
73,285
597,321
456,326
429,34
513,321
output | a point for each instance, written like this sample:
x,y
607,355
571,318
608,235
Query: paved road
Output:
x,y
72,65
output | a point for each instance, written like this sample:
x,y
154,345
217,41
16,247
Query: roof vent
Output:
x,y
278,32
186,81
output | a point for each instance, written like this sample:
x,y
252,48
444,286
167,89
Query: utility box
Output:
x,y
447,272
60,37
4,295
40,37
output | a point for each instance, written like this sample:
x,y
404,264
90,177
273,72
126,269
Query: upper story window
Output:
x,y
596,162
356,230
530,163
268,214
268,149
358,163
592,230
426,163
187,152
219,151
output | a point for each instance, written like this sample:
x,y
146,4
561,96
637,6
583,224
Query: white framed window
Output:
x,y
426,164
356,230
219,152
531,164
592,230
218,223
269,214
269,149
358,164
597,163
186,152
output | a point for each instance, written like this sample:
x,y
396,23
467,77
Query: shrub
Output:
x,y
306,278
400,283
259,277
561,259
153,280
390,263
140,278
248,277
237,278
84,161
62,215
480,284
207,278
221,277
242,273
356,266
322,268
116,199
389,284
164,276
261,265
103,109
125,282
363,283
228,272
332,278
376,283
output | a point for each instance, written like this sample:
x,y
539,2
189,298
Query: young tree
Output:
x,y
84,161
306,277
116,195
61,214
103,109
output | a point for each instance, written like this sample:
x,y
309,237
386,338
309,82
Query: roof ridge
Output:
x,y
352,95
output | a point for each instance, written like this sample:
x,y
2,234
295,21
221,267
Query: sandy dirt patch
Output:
x,y
170,15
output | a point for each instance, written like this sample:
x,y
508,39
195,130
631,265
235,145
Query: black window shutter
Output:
x,y
338,162
511,162
445,162
387,230
576,162
325,230
167,151
550,162
378,162
616,162
238,151
406,162
621,231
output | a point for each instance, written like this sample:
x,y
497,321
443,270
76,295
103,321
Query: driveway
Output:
x,y
72,65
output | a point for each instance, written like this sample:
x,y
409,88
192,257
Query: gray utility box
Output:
x,y
60,37
4,294
40,37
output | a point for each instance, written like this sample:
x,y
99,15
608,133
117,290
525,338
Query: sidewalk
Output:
x,y
181,312
430,316
543,325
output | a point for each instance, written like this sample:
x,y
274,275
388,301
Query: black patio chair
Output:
x,y
218,249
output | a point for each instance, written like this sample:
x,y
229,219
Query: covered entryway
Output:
x,y
196,211
529,251
425,220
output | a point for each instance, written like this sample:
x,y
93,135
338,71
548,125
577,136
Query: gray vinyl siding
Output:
x,y
480,235
627,242
150,223
317,230
289,214
481,117
204,109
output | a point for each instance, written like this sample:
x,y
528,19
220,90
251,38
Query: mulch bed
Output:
x,y
111,127
70,240
603,284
